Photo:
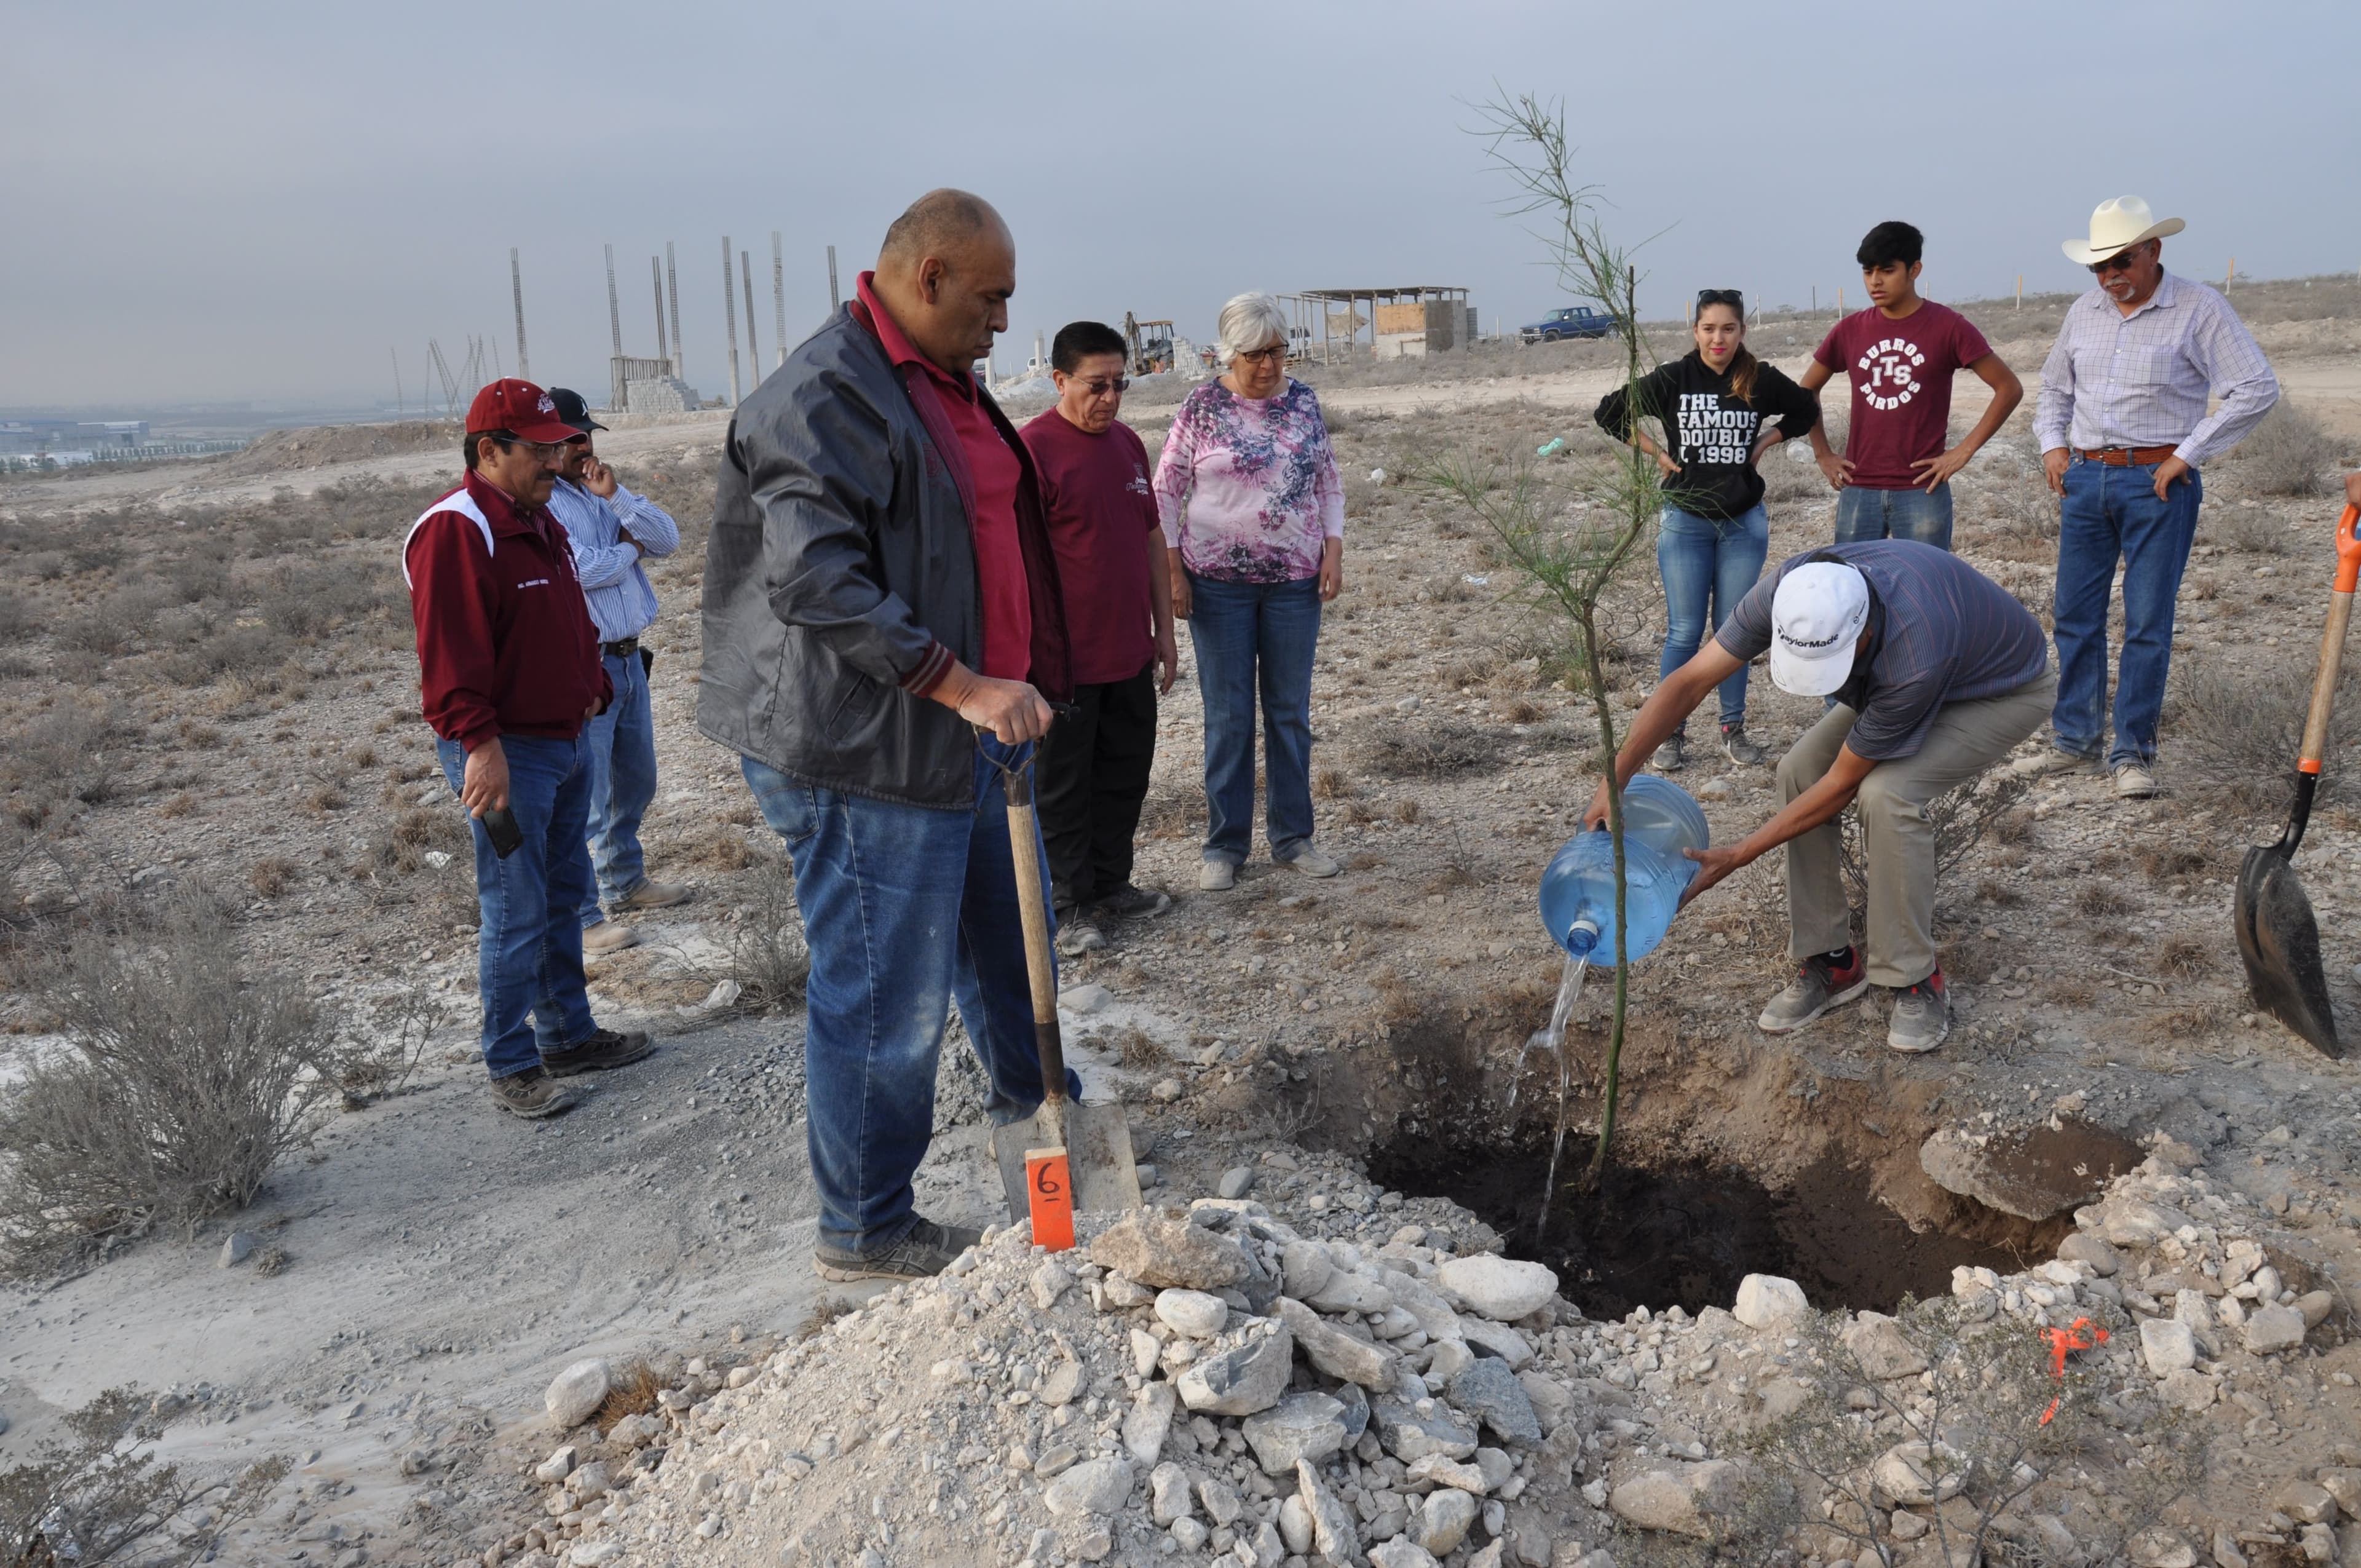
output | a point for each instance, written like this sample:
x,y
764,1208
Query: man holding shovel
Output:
x,y
1935,672
883,623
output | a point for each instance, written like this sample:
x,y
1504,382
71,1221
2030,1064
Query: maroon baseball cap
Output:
x,y
521,409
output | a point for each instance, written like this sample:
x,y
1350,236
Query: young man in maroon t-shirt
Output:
x,y
1093,767
1894,478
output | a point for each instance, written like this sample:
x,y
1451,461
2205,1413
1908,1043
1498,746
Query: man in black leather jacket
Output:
x,y
884,629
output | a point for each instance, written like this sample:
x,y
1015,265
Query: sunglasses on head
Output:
x,y
2121,261
1730,297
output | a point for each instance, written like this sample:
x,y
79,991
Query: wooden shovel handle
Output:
x,y
2332,642
1033,907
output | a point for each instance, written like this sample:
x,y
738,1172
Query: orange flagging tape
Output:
x,y
2081,1335
1050,1193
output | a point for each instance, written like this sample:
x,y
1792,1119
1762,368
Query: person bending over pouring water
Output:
x,y
1936,672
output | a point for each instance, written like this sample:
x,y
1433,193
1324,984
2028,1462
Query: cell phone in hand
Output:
x,y
501,828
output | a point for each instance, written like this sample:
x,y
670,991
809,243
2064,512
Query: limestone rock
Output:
x,y
1767,1302
2305,1502
1192,1313
1167,1490
235,1248
2012,1176
556,1467
1487,1338
1050,1281
1334,1534
1551,1400
1447,1361
1307,1427
1149,1422
1884,1351
1410,1436
575,1394
1306,1266
1165,1251
1453,1472
1349,1290
1237,1181
2167,1344
2158,1547
1489,1391
2084,1247
1063,1383
2274,1329
1402,1552
1093,1486
2186,1389
1336,1353
1295,1525
1501,1288
1443,1525
1424,1302
1678,1498
1241,1380
2127,1221
2344,1484
2313,1307
1920,1474
1220,1501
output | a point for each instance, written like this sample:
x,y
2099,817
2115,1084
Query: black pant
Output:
x,y
1090,781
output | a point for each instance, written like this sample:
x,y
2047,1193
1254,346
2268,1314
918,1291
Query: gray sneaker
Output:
x,y
530,1095
1739,749
1816,988
1217,876
2050,760
1313,861
1922,1016
1078,934
924,1250
1130,903
1672,755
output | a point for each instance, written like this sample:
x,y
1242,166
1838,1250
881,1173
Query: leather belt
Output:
x,y
2126,456
623,650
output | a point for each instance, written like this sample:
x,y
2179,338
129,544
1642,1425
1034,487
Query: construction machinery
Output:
x,y
1147,345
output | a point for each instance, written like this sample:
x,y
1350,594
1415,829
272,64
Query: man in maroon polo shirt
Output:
x,y
509,676
1112,564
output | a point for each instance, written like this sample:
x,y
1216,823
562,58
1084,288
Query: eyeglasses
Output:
x,y
2122,261
545,451
1730,297
1275,353
1105,389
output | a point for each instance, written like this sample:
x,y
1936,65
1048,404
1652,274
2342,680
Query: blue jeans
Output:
x,y
1250,638
529,943
1708,563
2110,514
622,783
903,908
1914,513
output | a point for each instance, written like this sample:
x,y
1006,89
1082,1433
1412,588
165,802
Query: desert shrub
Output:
x,y
303,602
2288,454
228,650
95,629
2238,728
20,617
59,759
2254,532
767,956
184,1081
1438,749
98,1495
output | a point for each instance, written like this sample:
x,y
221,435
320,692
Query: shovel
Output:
x,y
1067,1157
2276,934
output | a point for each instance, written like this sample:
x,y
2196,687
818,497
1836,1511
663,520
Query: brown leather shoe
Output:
x,y
609,937
652,895
530,1095
602,1050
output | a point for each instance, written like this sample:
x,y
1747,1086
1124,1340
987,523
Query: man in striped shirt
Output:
x,y
2124,431
610,529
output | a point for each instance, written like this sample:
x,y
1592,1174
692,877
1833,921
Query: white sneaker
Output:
x,y
2047,761
2134,782
609,937
1313,861
1217,876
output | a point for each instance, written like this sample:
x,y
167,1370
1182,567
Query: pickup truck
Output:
x,y
1568,321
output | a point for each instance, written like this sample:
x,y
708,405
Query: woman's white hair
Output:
x,y
1251,322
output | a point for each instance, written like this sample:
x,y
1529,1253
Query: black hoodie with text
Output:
x,y
1712,430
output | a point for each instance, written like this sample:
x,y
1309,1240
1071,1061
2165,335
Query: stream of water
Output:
x,y
1552,1039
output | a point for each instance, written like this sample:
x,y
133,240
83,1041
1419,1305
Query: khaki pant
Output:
x,y
1897,840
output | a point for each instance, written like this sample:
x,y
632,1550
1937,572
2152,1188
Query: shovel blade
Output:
x,y
2279,940
1097,1140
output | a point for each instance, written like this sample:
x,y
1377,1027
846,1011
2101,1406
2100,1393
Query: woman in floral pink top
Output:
x,y
1250,499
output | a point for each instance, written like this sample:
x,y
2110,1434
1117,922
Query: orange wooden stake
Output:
x,y
1049,1192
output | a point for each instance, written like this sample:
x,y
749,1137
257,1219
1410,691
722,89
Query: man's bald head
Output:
x,y
942,223
945,274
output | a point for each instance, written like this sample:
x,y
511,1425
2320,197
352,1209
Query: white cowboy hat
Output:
x,y
2118,226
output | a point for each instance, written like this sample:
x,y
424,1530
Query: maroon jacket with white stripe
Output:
x,y
505,642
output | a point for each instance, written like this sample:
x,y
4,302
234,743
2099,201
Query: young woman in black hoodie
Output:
x,y
1722,407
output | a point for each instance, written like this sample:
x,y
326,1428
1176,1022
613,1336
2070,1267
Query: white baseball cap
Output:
x,y
1817,618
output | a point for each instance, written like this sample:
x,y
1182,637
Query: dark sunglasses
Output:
x,y
1730,297
2120,262
1101,389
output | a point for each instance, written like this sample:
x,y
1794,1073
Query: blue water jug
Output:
x,y
1577,893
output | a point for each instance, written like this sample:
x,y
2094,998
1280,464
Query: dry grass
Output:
x,y
271,875
2098,900
1440,748
2288,454
1330,783
2184,956
631,1390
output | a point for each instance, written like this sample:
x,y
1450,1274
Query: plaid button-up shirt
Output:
x,y
2143,379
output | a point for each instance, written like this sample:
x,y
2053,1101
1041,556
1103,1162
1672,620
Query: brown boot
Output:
x,y
530,1095
608,937
602,1050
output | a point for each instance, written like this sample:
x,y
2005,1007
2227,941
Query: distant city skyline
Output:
x,y
258,203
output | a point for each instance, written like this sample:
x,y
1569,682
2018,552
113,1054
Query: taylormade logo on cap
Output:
x,y
1817,617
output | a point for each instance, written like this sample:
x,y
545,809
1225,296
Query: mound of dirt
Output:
x,y
319,446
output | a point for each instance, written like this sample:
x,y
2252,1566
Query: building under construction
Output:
x,y
1405,322
654,385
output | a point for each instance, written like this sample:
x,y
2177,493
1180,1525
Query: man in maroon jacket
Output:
x,y
510,673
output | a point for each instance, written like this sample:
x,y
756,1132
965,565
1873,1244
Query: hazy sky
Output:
x,y
247,200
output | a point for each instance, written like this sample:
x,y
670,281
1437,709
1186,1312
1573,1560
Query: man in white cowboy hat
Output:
x,y
1936,672
2124,432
